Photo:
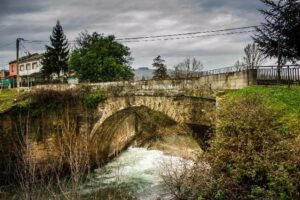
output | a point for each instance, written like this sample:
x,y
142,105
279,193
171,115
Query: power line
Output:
x,y
26,50
142,38
190,37
191,33
166,37
44,41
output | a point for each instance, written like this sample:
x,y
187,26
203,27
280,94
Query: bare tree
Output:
x,y
188,68
253,56
185,179
239,65
74,148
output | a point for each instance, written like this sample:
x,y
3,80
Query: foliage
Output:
x,y
92,100
252,156
190,67
55,101
55,60
280,33
253,57
160,73
100,59
185,178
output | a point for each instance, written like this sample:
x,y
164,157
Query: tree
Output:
x,y
55,60
239,65
253,57
160,72
279,35
100,59
190,67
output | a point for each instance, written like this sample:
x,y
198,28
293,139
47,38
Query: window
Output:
x,y
21,67
34,65
28,67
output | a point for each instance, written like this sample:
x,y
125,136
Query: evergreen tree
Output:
x,y
160,72
279,35
55,59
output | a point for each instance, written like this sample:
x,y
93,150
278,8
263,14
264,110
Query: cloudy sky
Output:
x,y
34,20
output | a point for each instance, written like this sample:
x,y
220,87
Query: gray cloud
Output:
x,y
34,19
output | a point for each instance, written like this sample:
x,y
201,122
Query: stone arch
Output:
x,y
138,124
182,109
116,127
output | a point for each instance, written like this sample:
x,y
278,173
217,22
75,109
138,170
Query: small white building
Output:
x,y
30,69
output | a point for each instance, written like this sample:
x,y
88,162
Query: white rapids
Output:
x,y
137,169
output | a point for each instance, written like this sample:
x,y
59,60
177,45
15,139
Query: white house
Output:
x,y
29,68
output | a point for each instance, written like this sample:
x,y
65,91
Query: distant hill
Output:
x,y
143,72
146,73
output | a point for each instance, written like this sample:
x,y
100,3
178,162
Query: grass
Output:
x,y
7,99
283,100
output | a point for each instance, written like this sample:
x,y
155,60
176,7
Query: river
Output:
x,y
134,174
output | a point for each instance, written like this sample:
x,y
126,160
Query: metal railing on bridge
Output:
x,y
288,74
224,70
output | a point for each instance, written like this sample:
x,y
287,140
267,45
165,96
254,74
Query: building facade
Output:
x,y
29,70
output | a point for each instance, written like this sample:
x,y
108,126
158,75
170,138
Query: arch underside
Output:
x,y
138,126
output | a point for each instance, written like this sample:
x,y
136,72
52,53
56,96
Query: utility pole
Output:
x,y
279,49
279,60
17,49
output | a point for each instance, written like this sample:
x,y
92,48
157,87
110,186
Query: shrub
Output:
x,y
251,155
185,178
92,100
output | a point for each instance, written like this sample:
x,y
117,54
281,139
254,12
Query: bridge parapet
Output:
x,y
202,86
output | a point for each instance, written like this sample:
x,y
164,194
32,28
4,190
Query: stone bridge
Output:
x,y
133,107
178,99
135,113
184,100
189,103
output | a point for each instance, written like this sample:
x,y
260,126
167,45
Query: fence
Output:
x,y
289,74
266,75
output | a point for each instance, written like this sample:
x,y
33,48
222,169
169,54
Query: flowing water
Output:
x,y
135,171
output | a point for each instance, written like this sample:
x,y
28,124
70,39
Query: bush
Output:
x,y
185,178
252,156
92,100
